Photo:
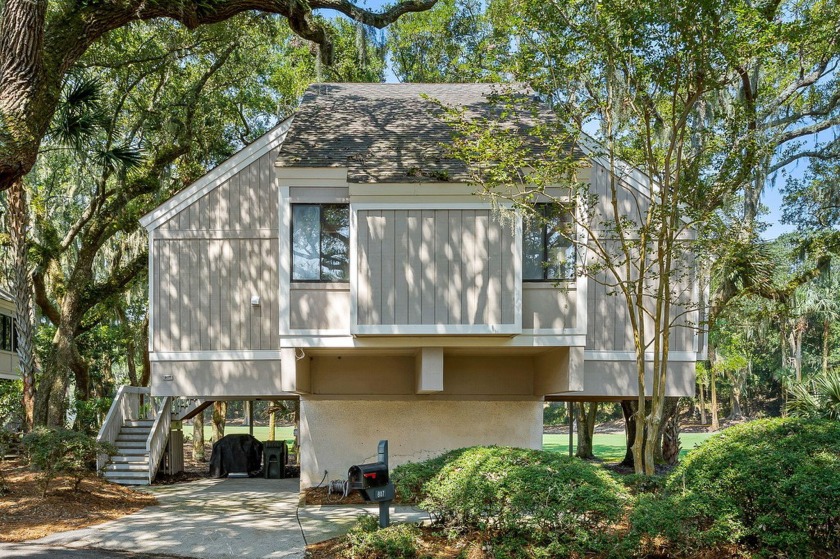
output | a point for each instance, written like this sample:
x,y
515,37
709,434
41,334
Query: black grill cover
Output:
x,y
236,454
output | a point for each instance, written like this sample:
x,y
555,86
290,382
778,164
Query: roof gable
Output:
x,y
216,177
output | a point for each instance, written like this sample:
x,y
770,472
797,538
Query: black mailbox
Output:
x,y
373,483
367,476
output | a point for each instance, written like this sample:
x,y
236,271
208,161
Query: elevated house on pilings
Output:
x,y
342,259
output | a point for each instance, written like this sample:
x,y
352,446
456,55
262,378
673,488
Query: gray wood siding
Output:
x,y
247,201
209,259
609,327
548,307
421,267
203,296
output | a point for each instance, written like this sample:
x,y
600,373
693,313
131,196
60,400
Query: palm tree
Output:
x,y
816,398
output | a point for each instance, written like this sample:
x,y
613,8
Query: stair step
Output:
x,y
110,475
148,423
128,481
135,431
128,467
131,446
123,437
138,458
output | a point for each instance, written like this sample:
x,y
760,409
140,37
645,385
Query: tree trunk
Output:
x,y
826,335
246,412
272,421
669,442
146,375
795,340
586,429
219,417
736,412
296,444
702,405
198,437
713,383
18,222
51,397
628,409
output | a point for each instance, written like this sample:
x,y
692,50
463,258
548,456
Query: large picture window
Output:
x,y
8,334
548,254
320,242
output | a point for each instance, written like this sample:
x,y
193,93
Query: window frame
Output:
x,y
545,263
8,331
320,206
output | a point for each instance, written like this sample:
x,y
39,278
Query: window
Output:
x,y
320,242
8,334
548,254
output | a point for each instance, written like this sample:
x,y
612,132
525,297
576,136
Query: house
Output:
x,y
344,260
8,338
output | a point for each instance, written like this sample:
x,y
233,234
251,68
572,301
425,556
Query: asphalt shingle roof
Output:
x,y
381,132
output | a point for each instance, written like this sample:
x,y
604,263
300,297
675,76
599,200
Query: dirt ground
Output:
x,y
24,515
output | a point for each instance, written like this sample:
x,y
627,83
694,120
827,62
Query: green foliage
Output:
x,y
11,408
89,414
368,541
770,484
550,500
817,398
54,452
409,479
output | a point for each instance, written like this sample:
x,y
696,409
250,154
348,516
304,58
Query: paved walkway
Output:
x,y
211,519
214,519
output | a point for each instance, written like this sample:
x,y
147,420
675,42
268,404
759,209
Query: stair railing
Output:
x,y
126,406
159,435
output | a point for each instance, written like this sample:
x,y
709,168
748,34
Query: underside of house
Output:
x,y
344,259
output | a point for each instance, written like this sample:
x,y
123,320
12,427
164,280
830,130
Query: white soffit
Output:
x,y
217,176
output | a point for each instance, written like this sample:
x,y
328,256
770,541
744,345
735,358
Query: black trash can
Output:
x,y
275,454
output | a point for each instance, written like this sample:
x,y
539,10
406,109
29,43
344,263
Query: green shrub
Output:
x,y
771,484
547,499
410,478
368,541
56,452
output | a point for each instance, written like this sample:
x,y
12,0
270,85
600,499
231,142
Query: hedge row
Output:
x,y
770,487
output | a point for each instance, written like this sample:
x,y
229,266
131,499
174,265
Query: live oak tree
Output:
x,y
140,117
41,43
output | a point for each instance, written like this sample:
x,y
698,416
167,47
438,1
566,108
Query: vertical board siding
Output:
x,y
609,327
203,285
419,267
205,298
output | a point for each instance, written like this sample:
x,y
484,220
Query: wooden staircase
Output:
x,y
131,465
140,437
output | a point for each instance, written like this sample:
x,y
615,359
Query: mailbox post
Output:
x,y
373,482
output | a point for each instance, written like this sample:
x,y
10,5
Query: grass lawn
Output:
x,y
260,432
610,446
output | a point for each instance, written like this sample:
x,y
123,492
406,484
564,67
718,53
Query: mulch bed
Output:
x,y
25,515
431,544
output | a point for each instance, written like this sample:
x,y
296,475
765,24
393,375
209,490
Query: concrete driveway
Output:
x,y
211,519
